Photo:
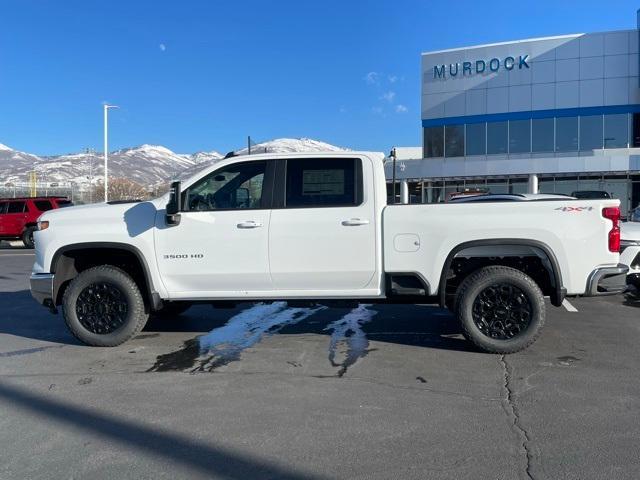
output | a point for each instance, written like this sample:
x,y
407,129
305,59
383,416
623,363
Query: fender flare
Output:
x,y
556,275
152,295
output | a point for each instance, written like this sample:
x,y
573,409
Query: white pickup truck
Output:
x,y
316,228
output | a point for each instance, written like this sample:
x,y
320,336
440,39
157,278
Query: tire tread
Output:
x,y
483,274
141,316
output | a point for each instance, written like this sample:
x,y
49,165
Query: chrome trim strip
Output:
x,y
42,286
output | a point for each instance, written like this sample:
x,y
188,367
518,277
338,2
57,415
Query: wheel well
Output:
x,y
535,261
68,264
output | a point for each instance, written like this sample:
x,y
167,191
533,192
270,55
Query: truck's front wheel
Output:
x,y
501,310
103,307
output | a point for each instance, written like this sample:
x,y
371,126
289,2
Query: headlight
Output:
x,y
43,225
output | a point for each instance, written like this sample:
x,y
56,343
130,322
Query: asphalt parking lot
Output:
x,y
380,392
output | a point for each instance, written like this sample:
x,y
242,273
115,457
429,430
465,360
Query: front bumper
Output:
x,y
42,288
607,281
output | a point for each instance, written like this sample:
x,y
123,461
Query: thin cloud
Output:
x,y
372,78
401,108
392,78
388,96
162,47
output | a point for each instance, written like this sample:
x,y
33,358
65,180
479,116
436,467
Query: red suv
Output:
x,y
18,216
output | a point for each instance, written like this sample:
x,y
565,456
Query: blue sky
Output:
x,y
202,75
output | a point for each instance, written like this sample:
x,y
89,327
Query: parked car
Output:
x,y
19,216
590,194
509,197
630,251
315,228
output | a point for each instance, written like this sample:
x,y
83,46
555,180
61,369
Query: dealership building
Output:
x,y
551,115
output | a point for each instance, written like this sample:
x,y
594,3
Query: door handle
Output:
x,y
354,222
249,224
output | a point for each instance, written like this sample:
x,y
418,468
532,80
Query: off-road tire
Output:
x,y
488,277
171,310
27,237
135,317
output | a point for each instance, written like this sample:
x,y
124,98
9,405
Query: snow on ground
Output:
x,y
225,344
348,331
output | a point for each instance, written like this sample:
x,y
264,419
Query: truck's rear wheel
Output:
x,y
27,237
103,307
501,310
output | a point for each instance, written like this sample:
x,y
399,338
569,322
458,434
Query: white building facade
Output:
x,y
559,114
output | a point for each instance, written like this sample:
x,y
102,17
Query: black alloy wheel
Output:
x,y
102,308
502,311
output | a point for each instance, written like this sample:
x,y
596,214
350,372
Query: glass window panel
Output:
x,y
616,131
476,139
520,136
546,185
313,182
566,134
236,186
635,137
518,186
496,137
618,188
591,132
454,141
542,134
434,142
496,188
43,205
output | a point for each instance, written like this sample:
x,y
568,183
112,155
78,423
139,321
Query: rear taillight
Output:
x,y
613,214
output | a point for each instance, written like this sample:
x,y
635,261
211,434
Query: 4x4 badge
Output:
x,y
574,209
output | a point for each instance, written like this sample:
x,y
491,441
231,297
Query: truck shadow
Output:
x,y
21,316
412,325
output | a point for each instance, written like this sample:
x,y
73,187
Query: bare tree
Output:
x,y
122,189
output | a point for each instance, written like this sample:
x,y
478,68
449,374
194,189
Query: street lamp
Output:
x,y
106,150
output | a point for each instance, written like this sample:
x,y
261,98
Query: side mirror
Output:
x,y
174,206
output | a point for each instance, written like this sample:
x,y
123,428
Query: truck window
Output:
x,y
326,182
43,205
3,207
16,207
233,187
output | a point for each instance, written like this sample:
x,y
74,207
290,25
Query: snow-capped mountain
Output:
x,y
285,145
147,165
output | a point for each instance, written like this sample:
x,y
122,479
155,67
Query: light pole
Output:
x,y
106,168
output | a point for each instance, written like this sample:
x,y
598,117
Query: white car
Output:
x,y
309,227
630,250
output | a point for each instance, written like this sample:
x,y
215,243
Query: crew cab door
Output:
x,y
220,246
322,239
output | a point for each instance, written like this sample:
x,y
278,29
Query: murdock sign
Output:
x,y
465,69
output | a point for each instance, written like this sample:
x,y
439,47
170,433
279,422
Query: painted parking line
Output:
x,y
568,306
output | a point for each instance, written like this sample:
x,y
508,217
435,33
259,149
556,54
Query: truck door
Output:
x,y
323,233
220,247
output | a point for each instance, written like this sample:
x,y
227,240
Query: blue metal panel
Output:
x,y
562,112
